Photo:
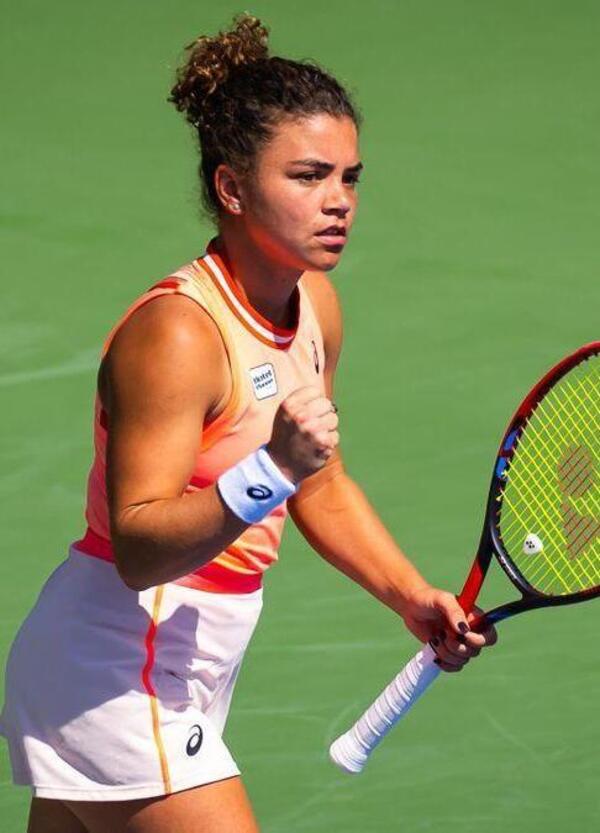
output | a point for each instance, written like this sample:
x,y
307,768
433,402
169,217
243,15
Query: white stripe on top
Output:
x,y
245,314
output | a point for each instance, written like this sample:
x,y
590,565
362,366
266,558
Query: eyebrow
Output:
x,y
325,166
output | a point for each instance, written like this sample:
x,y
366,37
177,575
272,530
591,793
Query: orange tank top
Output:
x,y
267,363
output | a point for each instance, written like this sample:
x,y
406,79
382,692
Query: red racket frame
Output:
x,y
491,542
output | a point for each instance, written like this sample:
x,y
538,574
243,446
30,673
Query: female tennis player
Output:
x,y
213,414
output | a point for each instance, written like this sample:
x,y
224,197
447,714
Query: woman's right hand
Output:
x,y
304,433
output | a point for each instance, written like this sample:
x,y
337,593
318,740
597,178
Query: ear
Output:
x,y
229,192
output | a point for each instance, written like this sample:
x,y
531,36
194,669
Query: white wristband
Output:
x,y
254,486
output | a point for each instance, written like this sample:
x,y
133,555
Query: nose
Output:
x,y
338,201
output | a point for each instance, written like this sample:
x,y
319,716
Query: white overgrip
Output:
x,y
351,750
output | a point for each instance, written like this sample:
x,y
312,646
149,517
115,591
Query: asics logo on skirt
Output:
x,y
195,741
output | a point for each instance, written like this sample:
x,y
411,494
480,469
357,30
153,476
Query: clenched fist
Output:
x,y
304,433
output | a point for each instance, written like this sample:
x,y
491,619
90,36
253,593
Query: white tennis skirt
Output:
x,y
114,694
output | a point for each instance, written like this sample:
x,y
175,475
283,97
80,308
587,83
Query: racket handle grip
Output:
x,y
351,750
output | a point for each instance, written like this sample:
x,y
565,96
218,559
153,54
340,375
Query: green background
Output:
x,y
473,267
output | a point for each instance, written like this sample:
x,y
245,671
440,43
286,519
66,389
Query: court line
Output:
x,y
318,647
282,823
516,741
82,362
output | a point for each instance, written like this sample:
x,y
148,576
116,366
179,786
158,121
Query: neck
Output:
x,y
264,284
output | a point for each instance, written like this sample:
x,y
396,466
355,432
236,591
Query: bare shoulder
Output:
x,y
326,303
169,342
175,316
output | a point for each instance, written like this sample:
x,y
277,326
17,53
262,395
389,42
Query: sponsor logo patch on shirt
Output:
x,y
263,380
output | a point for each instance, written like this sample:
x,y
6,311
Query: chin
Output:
x,y
323,261
329,260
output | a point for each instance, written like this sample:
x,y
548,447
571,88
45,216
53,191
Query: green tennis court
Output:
x,y
474,266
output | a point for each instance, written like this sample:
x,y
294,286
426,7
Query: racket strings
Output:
x,y
540,464
589,565
581,519
565,573
575,472
529,494
552,492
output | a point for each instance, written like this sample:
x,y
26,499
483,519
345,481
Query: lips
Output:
x,y
333,238
333,231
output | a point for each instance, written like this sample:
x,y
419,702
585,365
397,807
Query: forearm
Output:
x,y
162,540
341,525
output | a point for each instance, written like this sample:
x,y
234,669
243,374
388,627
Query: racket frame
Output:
x,y
491,541
351,750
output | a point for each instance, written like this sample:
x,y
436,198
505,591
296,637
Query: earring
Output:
x,y
235,206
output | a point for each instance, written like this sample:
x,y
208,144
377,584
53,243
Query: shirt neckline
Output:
x,y
257,324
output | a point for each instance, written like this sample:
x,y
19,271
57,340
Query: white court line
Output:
x,y
318,647
82,362
513,739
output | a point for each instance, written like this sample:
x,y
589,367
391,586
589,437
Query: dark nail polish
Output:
x,y
437,660
463,627
460,638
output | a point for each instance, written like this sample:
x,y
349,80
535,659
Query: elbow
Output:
x,y
127,562
130,578
131,550
134,583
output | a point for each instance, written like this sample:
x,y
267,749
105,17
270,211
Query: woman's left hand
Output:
x,y
435,616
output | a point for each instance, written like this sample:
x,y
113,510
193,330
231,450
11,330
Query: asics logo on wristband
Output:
x,y
254,487
259,492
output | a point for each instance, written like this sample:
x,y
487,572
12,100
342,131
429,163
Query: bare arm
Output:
x,y
338,521
335,517
164,372
330,509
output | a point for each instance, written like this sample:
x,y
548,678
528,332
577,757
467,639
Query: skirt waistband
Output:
x,y
212,577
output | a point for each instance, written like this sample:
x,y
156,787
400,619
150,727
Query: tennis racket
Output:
x,y
542,524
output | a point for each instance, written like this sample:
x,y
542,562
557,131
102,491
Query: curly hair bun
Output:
x,y
210,62
235,94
